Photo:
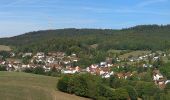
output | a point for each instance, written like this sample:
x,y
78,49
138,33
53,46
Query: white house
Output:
x,y
168,81
27,54
157,77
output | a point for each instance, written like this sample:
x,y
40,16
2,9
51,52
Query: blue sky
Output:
x,y
20,16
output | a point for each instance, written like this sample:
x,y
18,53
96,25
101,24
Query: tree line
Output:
x,y
142,37
87,85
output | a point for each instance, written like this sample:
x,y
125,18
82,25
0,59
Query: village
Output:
x,y
66,65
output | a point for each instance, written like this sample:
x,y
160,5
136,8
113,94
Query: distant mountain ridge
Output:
x,y
129,38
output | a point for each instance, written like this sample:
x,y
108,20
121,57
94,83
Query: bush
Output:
x,y
91,86
121,94
80,85
117,83
85,85
28,70
95,87
39,70
63,83
132,92
3,68
146,89
107,92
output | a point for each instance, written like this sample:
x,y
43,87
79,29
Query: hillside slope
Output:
x,y
143,37
23,86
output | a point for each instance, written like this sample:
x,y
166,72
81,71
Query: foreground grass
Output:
x,y
23,86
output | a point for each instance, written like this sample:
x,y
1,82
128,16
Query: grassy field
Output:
x,y
23,86
4,48
135,53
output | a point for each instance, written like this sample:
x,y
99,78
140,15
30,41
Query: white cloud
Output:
x,y
14,2
150,2
129,10
31,3
138,11
98,10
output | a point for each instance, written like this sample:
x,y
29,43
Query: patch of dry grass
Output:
x,y
4,48
135,53
23,86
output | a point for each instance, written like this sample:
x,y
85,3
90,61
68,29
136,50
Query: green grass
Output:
x,y
23,86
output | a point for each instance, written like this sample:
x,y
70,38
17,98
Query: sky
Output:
x,y
20,16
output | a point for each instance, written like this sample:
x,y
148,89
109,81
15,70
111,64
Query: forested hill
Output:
x,y
52,34
143,37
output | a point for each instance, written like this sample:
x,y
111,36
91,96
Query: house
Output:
x,y
57,54
103,64
131,60
127,75
93,70
168,81
77,69
118,60
71,70
73,55
109,65
88,69
140,58
66,62
158,78
102,71
68,71
107,75
27,55
75,60
24,66
51,65
155,58
12,54
2,62
120,75
164,55
144,65
17,67
10,67
47,69
40,55
50,60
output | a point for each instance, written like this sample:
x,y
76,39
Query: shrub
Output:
x,y
132,92
121,94
107,92
28,70
39,70
63,83
146,89
3,68
116,83
80,85
85,85
91,86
